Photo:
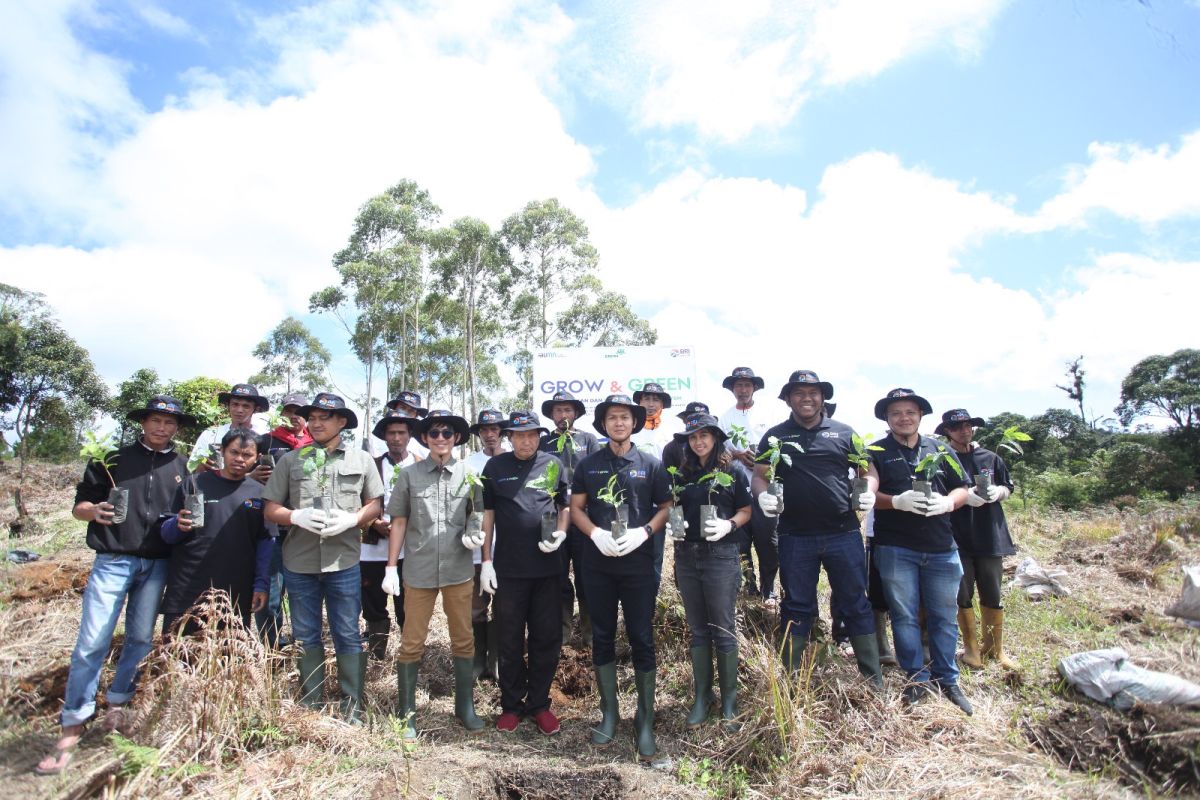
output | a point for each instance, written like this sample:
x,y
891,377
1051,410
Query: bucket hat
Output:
x,y
956,415
392,417
701,422
326,401
245,391
639,413
488,416
409,399
881,407
563,397
694,407
805,377
742,374
297,399
525,421
655,389
440,416
162,404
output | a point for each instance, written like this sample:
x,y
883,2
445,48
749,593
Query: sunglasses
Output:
x,y
440,433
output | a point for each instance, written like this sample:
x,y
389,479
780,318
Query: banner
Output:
x,y
593,373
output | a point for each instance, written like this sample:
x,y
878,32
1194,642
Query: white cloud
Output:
x,y
161,19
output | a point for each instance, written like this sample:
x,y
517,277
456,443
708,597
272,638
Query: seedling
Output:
x,y
772,456
312,461
548,483
715,480
927,468
739,438
1012,438
564,443
860,458
102,451
676,487
276,419
474,484
395,474
675,513
614,495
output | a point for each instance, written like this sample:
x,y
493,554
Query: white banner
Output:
x,y
593,373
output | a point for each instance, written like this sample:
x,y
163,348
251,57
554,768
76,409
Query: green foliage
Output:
x,y
1134,468
611,494
1012,438
132,393
100,451
713,778
676,487
601,318
292,358
715,480
774,454
199,398
135,758
548,481
1165,385
928,465
738,437
312,461
860,455
1062,490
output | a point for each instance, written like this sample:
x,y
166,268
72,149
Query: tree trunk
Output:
x,y
366,440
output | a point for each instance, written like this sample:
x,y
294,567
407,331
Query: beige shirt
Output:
x,y
435,500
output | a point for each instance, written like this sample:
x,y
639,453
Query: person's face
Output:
x,y
158,429
396,435
807,403
563,415
743,391
292,413
489,435
903,417
324,425
961,433
240,458
240,411
652,403
702,443
618,422
525,443
440,439
405,408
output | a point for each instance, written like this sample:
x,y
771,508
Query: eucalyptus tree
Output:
x,y
292,357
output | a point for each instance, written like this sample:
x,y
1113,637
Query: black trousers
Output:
x,y
528,607
636,596
874,582
762,539
984,572
374,598
572,554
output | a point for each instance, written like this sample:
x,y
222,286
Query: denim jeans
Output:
x,y
913,580
707,575
269,620
114,578
528,606
342,593
636,595
800,562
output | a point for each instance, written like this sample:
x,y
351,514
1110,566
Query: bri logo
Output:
x,y
254,503
829,434
637,473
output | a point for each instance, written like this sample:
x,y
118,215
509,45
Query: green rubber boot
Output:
x,y
610,712
352,673
792,652
464,695
702,675
406,681
727,666
643,720
312,677
866,653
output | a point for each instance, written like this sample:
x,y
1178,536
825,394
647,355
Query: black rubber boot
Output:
x,y
792,652
643,720
464,696
492,660
480,661
866,653
955,695
312,677
377,638
351,674
887,656
406,682
702,675
727,667
610,713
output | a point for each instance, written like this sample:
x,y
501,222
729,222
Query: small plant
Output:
x,y
611,493
676,487
276,419
739,438
472,481
1012,438
927,467
197,460
312,461
715,480
860,456
101,451
774,454
548,481
395,474
564,443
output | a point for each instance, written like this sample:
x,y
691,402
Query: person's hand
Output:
x,y
769,504
487,578
338,521
391,581
261,473
632,540
717,529
671,531
1002,493
102,513
866,501
556,540
746,457
473,542
935,505
258,602
184,520
310,519
906,501
605,542
382,528
973,498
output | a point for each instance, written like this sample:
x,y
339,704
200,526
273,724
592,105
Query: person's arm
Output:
x,y
758,483
742,517
274,512
579,517
489,522
396,539
369,513
659,520
883,502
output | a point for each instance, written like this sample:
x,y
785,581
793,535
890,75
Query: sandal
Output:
x,y
60,758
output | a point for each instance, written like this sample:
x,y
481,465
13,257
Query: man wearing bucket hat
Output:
x,y
818,524
981,532
322,548
619,568
659,429
121,501
430,506
525,522
571,446
914,543
396,429
488,427
245,407
409,403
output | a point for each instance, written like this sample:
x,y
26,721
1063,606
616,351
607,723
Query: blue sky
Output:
x,y
868,189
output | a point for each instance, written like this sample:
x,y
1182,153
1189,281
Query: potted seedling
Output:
x,y
193,501
474,484
614,496
102,452
564,445
1010,441
771,457
312,461
675,512
739,438
860,458
927,469
715,480
548,483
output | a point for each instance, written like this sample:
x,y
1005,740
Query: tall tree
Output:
x,y
292,357
1074,388
1165,385
602,318
199,398
133,392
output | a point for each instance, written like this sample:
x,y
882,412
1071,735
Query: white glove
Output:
x,y
1001,493
605,543
487,578
973,498
310,519
338,521
717,529
632,540
554,543
671,531
391,582
937,504
769,504
906,501
866,501
472,542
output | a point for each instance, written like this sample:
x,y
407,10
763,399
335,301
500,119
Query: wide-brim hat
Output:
x,y
297,399
563,397
655,389
489,416
391,418
901,394
245,391
805,377
326,401
701,422
409,399
440,416
742,374
694,407
639,413
525,421
162,404
955,416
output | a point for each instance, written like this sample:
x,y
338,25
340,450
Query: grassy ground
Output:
x,y
216,718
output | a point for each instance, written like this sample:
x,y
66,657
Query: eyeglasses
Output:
x,y
440,433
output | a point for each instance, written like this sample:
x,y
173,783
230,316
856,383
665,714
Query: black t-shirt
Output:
x,y
674,452
646,486
585,445
896,466
221,554
727,499
816,485
518,510
983,531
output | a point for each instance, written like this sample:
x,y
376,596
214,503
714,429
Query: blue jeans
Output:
x,y
707,575
342,593
114,578
913,580
269,620
800,562
636,595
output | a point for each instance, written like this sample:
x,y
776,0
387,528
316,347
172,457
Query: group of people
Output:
x,y
542,517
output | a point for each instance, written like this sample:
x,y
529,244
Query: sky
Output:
x,y
957,196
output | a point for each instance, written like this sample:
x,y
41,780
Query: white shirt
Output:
x,y
379,550
212,436
475,463
754,420
653,441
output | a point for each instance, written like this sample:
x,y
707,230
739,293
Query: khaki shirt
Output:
x,y
435,500
353,483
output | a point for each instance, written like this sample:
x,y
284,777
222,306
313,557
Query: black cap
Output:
x,y
409,399
297,399
563,397
700,422
489,416
392,417
525,421
440,416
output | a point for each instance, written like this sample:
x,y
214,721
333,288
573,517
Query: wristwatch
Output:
x,y
649,531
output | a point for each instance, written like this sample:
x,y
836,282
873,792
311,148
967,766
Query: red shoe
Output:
x,y
508,722
547,723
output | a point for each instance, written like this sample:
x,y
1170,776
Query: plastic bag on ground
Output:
x,y
1187,607
1106,676
1038,581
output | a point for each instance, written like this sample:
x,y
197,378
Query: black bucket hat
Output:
x,y
489,416
525,421
297,399
742,374
694,407
409,399
652,388
563,397
805,377
901,394
391,418
326,401
162,404
956,415
639,413
701,422
246,392
440,416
